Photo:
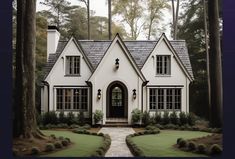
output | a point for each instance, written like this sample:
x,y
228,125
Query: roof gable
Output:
x,y
140,50
119,41
179,59
53,58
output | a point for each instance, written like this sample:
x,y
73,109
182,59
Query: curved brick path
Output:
x,y
118,146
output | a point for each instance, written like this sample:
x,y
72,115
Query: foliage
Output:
x,y
183,118
215,149
81,118
58,144
166,119
98,116
49,147
62,117
174,118
201,148
182,143
136,115
191,119
191,28
146,118
192,146
178,140
158,118
49,118
70,118
35,151
65,142
131,12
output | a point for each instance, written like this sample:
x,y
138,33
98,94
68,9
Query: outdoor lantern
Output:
x,y
134,93
117,63
99,94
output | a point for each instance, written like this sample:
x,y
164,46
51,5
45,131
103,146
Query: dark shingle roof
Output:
x,y
140,50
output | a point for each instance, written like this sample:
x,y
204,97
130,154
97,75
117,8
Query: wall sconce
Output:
x,y
134,93
99,94
117,63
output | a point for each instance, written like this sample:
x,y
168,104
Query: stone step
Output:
x,y
116,125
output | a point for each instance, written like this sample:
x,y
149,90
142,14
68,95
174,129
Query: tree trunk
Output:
x,y
150,29
88,19
207,55
25,112
18,95
176,20
215,65
110,19
173,17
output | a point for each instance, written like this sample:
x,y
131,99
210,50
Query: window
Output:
x,y
72,99
73,65
163,64
117,97
165,98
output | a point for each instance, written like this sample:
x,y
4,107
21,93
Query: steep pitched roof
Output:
x,y
139,50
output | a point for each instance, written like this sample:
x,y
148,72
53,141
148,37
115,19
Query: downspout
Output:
x,y
89,84
142,96
48,94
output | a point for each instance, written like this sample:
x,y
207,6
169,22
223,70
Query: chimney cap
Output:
x,y
51,27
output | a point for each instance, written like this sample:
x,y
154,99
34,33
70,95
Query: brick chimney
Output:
x,y
53,37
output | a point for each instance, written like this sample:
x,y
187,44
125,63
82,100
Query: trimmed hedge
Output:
x,y
201,148
133,147
49,147
192,146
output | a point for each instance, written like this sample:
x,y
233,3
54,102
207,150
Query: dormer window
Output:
x,y
72,65
163,64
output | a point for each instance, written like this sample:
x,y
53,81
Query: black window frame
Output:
x,y
73,66
165,99
72,99
163,65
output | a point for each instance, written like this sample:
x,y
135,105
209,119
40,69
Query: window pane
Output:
x,y
169,99
73,65
59,99
163,64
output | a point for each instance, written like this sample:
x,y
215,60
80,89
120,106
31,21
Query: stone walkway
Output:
x,y
118,146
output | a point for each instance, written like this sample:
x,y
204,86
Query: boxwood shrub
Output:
x,y
201,148
35,151
182,143
192,146
215,149
49,147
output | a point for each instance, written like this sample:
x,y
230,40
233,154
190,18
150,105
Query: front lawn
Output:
x,y
161,145
83,145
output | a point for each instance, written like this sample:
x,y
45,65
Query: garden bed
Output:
x,y
161,145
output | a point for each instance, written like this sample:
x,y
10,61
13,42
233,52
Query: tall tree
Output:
x,y
57,10
191,28
24,104
215,65
110,19
87,3
131,12
207,53
154,9
175,15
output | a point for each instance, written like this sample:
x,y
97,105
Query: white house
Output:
x,y
115,76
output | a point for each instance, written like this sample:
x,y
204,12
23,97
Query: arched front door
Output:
x,y
117,100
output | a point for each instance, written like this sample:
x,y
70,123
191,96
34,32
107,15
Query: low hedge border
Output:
x,y
185,127
64,126
133,147
191,146
100,152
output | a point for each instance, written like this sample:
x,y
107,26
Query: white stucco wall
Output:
x,y
57,76
106,73
176,78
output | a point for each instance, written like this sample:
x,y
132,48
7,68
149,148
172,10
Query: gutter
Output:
x,y
48,93
142,96
89,84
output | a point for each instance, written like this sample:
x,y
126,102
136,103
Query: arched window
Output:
x,y
117,97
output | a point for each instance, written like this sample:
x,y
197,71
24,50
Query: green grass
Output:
x,y
83,145
161,145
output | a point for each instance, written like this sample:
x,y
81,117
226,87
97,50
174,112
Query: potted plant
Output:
x,y
98,117
136,116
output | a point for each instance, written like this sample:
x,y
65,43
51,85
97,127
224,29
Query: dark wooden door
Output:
x,y
117,101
